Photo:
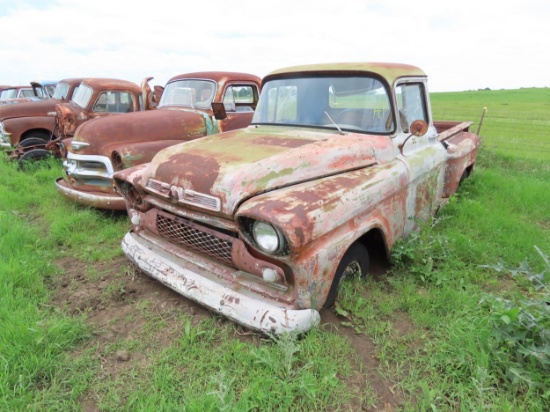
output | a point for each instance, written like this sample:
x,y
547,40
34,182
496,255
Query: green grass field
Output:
x,y
516,122
459,322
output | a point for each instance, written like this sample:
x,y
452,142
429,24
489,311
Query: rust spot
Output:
x,y
201,171
279,141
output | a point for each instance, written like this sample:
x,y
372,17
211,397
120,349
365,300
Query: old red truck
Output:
x,y
262,224
183,113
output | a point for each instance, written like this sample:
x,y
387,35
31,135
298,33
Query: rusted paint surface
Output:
x,y
462,149
320,189
253,166
135,138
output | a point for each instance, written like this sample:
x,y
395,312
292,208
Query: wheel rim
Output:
x,y
352,270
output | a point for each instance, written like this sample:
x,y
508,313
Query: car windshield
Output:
x,y
352,103
82,96
192,93
61,91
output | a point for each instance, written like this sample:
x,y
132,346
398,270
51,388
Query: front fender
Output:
x,y
128,155
17,127
335,209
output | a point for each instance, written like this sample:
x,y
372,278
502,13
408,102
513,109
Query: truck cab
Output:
x,y
262,224
34,121
185,112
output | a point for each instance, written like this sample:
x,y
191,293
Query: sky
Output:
x,y
461,45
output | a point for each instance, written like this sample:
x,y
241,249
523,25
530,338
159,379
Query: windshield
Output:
x,y
50,89
82,96
189,92
61,91
352,103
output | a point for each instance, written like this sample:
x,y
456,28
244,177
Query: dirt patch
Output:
x,y
119,300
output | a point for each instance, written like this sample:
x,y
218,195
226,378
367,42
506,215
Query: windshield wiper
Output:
x,y
334,123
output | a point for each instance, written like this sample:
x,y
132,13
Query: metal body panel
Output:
x,y
254,311
98,200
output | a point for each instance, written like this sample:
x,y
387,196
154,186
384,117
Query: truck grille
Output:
x,y
195,237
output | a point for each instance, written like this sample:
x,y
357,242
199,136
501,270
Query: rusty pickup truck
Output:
x,y
33,121
262,224
184,112
92,99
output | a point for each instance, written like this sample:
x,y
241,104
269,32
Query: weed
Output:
x,y
522,330
422,253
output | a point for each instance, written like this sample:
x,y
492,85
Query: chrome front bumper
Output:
x,y
95,199
243,306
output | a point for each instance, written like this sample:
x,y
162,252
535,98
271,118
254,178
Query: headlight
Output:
x,y
267,237
130,193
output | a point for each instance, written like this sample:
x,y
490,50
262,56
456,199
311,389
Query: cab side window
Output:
x,y
240,98
114,102
411,104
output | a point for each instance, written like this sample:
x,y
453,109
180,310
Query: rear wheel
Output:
x,y
355,263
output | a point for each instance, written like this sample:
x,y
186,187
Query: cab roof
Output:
x,y
390,71
106,83
218,77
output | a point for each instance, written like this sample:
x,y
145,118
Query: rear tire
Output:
x,y
355,262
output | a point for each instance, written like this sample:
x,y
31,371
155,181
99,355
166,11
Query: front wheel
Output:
x,y
354,263
32,156
32,142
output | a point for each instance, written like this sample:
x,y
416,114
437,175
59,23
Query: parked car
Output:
x,y
185,112
262,224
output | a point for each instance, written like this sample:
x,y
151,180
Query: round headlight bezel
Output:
x,y
267,237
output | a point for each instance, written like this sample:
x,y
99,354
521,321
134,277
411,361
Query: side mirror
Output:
x,y
417,128
219,111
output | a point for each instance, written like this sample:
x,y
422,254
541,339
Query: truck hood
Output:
x,y
28,109
237,165
104,134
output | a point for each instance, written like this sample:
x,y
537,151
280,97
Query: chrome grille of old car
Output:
x,y
195,237
185,196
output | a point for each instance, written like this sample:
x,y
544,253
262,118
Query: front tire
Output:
x,y
32,156
32,141
355,262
